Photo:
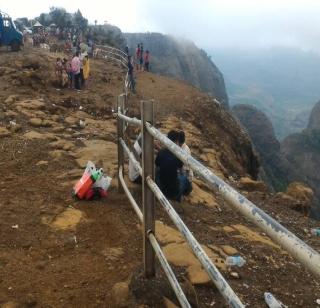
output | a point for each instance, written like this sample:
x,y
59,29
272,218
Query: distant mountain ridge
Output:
x,y
296,158
276,170
181,59
281,82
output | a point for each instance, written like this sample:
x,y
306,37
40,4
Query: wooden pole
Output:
x,y
120,136
148,199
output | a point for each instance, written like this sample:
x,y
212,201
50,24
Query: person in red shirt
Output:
x,y
147,60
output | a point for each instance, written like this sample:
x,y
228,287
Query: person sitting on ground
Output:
x,y
134,174
182,142
169,177
146,60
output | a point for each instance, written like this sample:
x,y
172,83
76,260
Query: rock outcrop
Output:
x,y
181,59
314,120
276,171
302,150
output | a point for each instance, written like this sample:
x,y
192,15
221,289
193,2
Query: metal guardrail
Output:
x,y
164,263
295,246
148,218
114,54
207,264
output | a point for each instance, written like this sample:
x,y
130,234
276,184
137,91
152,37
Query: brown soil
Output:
x,y
59,252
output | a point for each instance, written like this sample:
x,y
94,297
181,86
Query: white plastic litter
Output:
x,y
104,183
235,261
272,302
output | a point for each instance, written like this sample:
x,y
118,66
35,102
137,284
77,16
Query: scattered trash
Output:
x,y
315,231
271,301
80,107
235,261
318,301
12,123
93,184
234,275
82,124
15,227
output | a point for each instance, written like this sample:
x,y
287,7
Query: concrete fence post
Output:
x,y
148,198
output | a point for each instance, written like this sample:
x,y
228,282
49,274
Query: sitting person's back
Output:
x,y
167,173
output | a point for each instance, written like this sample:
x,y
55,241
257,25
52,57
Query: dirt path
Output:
x,y
59,252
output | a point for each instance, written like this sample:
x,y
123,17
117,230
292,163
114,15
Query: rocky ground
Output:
x,y
57,251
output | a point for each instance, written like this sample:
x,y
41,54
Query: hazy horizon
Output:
x,y
213,24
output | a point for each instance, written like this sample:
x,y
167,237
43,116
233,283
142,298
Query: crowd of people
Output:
x,y
73,72
172,176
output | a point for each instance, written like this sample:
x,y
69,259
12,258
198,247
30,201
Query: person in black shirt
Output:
x,y
169,178
131,76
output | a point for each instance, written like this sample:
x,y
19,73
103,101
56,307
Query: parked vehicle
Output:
x,y
9,35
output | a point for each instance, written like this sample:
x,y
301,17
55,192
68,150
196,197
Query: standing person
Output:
x,y
86,71
141,57
146,60
185,170
58,68
171,181
137,56
126,50
82,56
131,76
68,69
134,174
75,65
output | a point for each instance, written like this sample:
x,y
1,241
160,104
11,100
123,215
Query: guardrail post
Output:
x,y
120,127
148,198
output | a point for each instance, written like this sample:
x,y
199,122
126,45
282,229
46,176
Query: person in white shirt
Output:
x,y
185,169
134,175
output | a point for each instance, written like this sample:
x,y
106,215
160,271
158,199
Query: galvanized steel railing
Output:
x,y
151,190
113,54
295,246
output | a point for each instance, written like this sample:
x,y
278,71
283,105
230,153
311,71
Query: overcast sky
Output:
x,y
209,23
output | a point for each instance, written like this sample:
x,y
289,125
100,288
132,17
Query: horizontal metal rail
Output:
x,y
131,199
164,263
207,264
133,121
131,157
112,48
111,55
295,246
107,57
169,273
214,274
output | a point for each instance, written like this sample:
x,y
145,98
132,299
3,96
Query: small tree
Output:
x,y
79,21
